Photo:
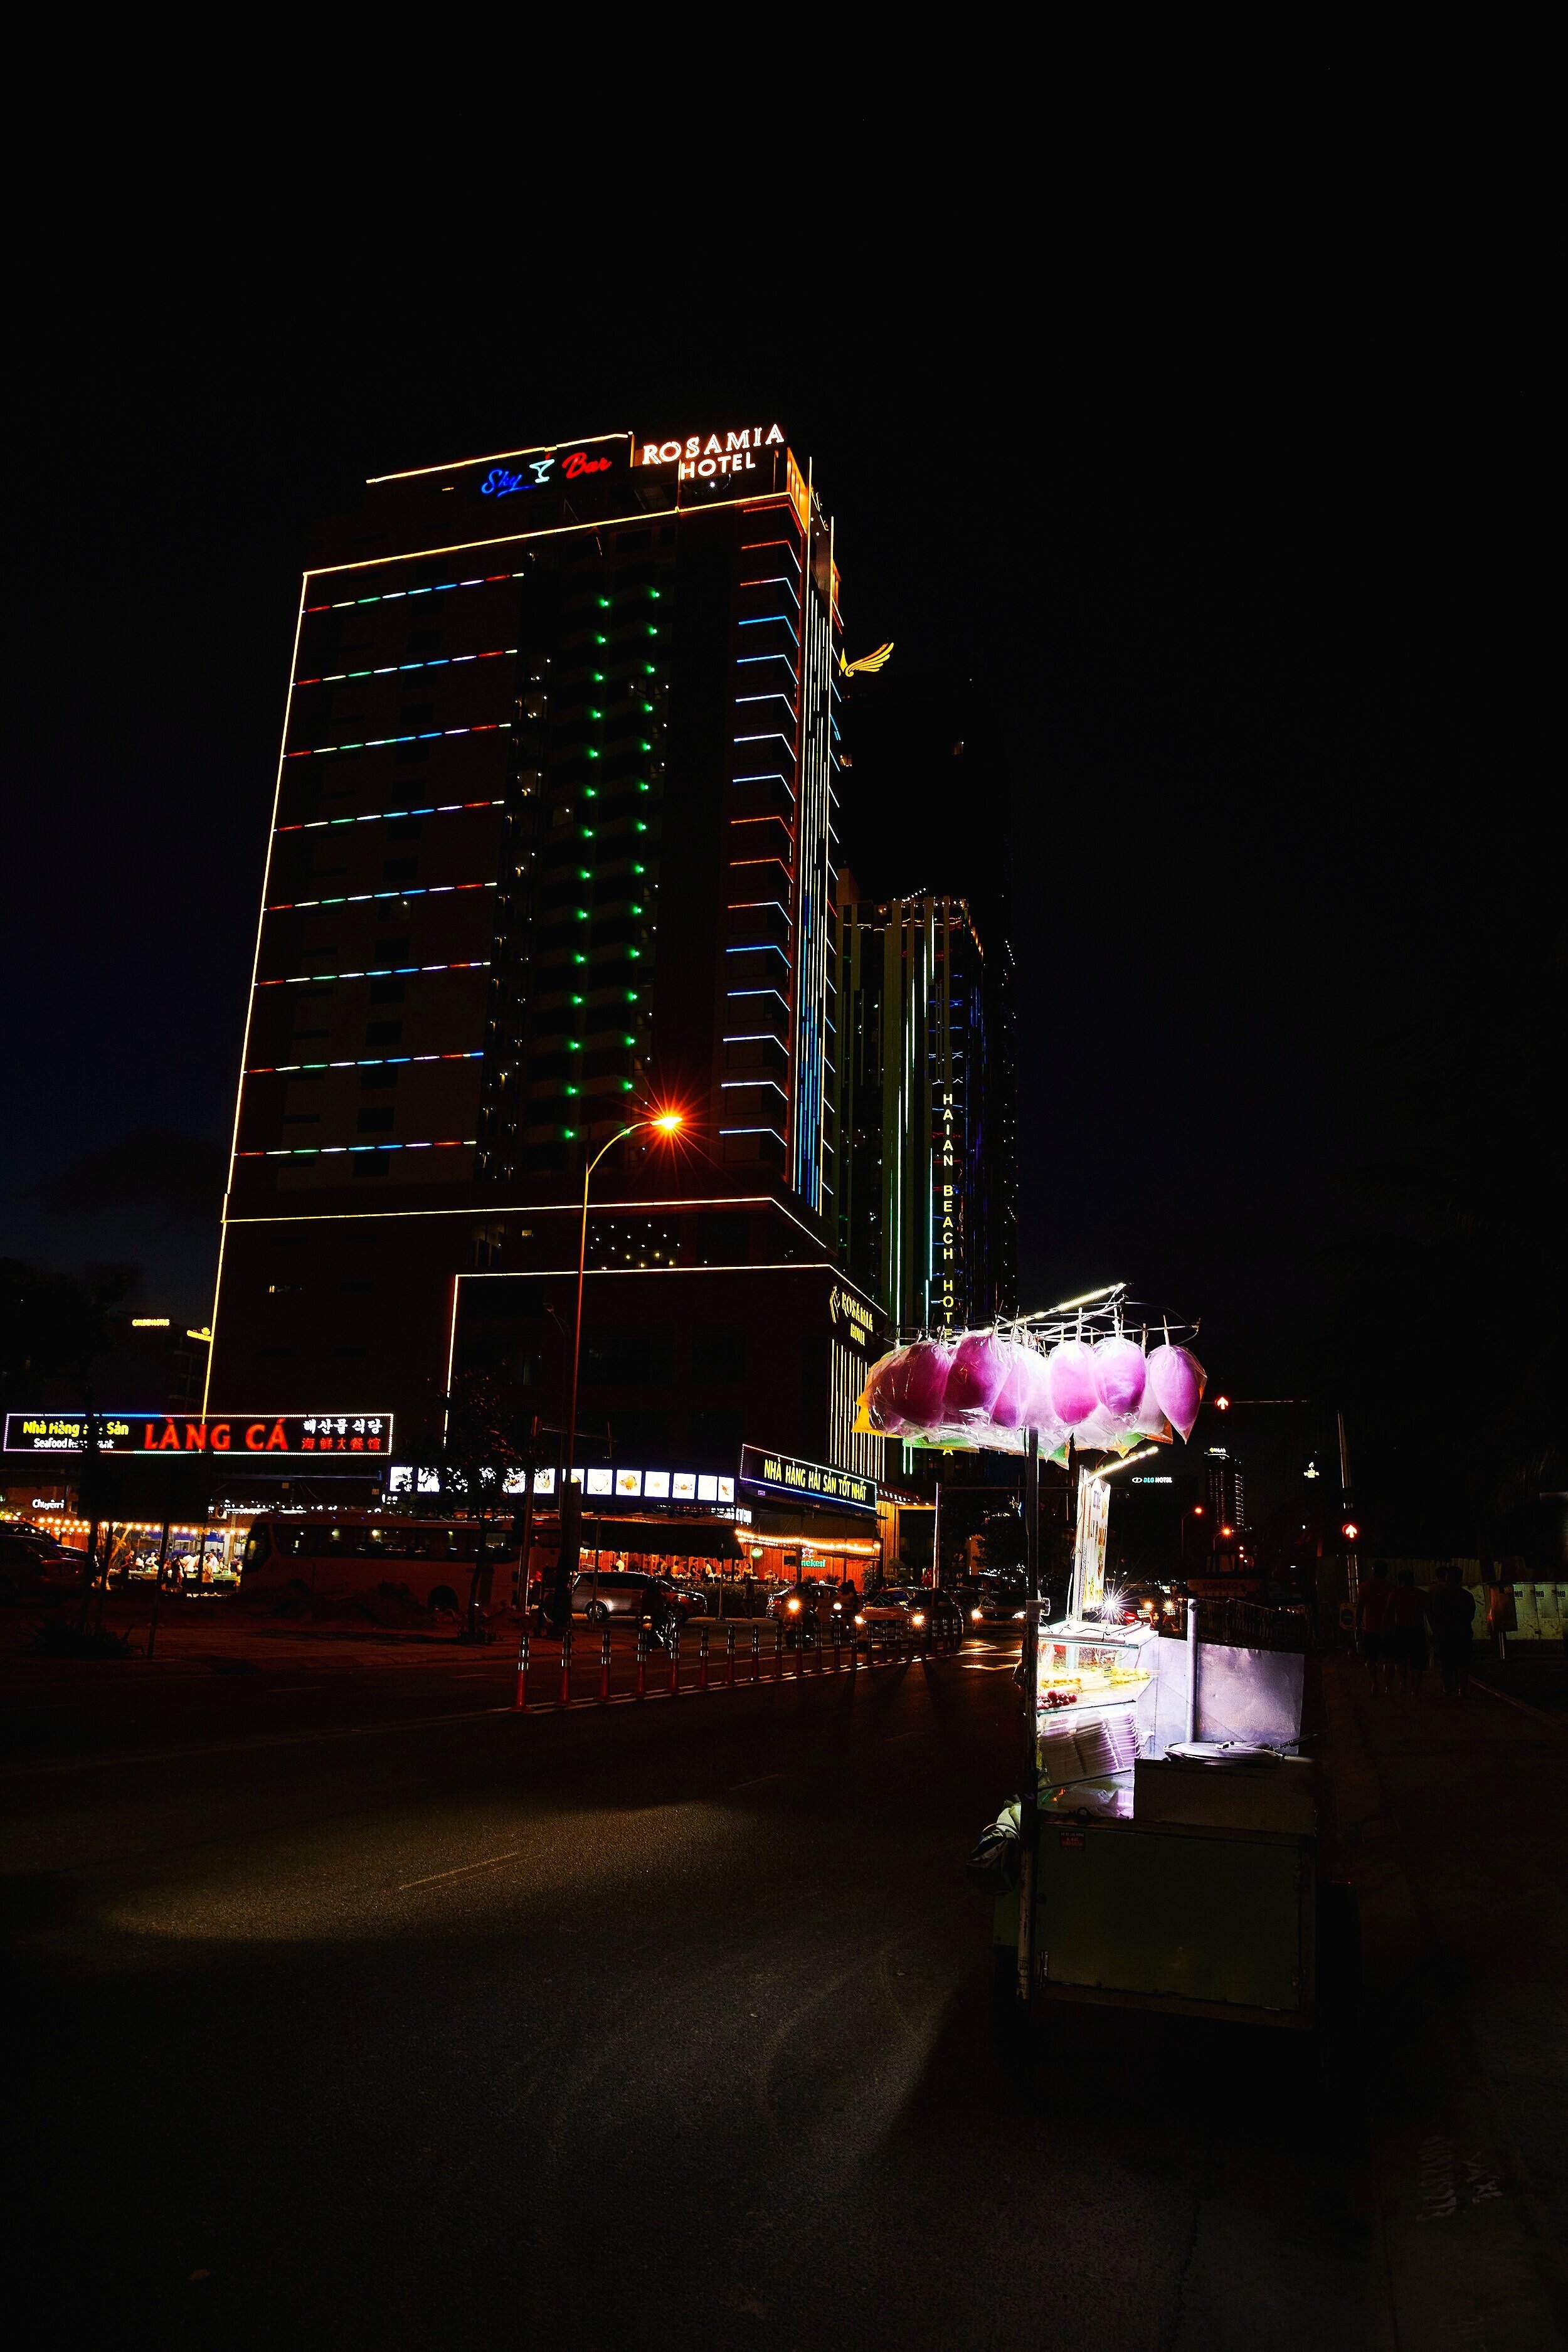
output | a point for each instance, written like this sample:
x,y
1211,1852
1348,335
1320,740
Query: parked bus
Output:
x,y
352,1551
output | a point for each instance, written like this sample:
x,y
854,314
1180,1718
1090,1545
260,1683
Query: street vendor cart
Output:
x,y
1162,1852
1172,1854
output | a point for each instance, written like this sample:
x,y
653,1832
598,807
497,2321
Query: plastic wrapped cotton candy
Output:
x,y
1070,1374
1023,1388
1149,1421
1177,1379
1121,1376
881,1391
921,1392
980,1365
1102,1432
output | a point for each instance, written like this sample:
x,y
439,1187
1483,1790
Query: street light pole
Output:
x,y
667,1122
1029,1793
1353,1564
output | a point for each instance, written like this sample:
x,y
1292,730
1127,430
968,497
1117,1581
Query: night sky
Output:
x,y
1208,532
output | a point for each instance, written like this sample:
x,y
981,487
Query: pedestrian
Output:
x,y
1451,1612
1498,1602
658,1613
1406,1633
1372,1625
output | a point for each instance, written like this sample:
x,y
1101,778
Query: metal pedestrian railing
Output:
x,y
548,1664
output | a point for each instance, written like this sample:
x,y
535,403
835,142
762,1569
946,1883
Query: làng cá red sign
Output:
x,y
288,1435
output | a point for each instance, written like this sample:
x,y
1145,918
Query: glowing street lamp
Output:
x,y
664,1122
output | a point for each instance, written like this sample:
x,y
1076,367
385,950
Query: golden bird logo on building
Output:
x,y
868,664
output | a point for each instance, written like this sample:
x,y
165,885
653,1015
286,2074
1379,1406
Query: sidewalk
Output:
x,y
1451,1820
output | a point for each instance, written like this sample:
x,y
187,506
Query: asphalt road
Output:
x,y
378,2017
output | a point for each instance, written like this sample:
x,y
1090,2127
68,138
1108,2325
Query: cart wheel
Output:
x,y
596,1613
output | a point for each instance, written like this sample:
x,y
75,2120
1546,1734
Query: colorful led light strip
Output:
x,y
328,1151
396,669
380,1062
386,816
380,743
365,897
382,971
774,580
395,596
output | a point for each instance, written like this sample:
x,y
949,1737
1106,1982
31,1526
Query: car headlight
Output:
x,y
975,1616
917,1618
793,1608
858,1619
1019,1615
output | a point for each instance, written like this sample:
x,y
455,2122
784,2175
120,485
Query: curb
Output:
x,y
1506,1699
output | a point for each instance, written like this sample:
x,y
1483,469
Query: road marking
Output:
x,y
463,1871
762,1779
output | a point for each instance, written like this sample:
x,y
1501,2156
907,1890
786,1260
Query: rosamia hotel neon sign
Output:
x,y
701,456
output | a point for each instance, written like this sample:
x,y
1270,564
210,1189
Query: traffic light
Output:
x,y
1349,1530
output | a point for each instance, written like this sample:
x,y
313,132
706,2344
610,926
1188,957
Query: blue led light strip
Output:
x,y
766,620
382,972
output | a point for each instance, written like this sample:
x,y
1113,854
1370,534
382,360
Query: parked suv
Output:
x,y
623,1593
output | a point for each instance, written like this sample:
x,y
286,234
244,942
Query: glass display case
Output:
x,y
1086,1664
1095,1696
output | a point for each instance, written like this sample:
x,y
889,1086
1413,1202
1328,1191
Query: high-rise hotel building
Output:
x,y
927,1201
553,845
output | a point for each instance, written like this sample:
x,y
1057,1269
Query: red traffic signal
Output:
x,y
1350,1531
